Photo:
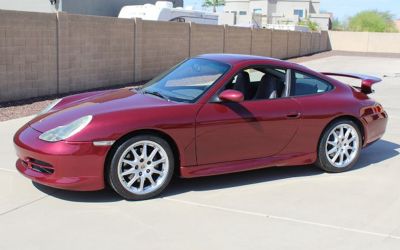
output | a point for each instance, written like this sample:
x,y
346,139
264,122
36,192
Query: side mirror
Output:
x,y
231,95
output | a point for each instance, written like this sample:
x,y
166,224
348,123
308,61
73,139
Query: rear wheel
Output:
x,y
141,167
340,147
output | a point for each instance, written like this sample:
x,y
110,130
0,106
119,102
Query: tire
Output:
x,y
138,175
339,147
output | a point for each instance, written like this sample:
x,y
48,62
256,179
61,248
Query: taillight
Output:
x,y
371,110
378,108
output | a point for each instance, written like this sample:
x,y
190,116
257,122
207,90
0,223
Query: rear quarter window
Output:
x,y
305,84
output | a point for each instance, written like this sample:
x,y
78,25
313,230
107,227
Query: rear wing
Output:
x,y
366,81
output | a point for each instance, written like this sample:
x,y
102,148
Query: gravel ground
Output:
x,y
13,110
22,109
18,109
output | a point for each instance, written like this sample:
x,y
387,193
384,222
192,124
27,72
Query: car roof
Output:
x,y
233,59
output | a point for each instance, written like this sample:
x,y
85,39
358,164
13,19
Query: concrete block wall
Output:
x,y
94,52
46,54
353,41
280,44
365,41
28,55
162,45
315,42
237,40
324,44
305,43
261,42
206,39
294,39
384,42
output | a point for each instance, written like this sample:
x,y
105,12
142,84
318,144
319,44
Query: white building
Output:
x,y
276,12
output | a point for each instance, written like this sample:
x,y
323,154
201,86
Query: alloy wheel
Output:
x,y
342,145
143,167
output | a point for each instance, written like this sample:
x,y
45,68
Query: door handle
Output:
x,y
294,115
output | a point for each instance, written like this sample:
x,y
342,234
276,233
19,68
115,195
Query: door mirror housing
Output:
x,y
231,95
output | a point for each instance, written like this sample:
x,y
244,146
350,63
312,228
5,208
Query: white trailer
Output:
x,y
164,11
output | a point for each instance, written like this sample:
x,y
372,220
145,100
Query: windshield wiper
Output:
x,y
137,88
155,93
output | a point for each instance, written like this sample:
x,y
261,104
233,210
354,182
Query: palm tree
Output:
x,y
213,3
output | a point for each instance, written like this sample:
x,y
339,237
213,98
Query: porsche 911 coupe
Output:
x,y
211,114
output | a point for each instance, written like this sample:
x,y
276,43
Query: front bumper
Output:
x,y
65,165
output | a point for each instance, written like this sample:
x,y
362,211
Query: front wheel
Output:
x,y
340,147
141,167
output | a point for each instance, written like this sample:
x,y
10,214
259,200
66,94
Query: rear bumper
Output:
x,y
374,126
68,165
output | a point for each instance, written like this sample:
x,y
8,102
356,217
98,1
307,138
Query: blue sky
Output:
x,y
341,8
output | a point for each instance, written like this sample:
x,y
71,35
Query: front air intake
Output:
x,y
38,166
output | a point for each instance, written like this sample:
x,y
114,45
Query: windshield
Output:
x,y
187,81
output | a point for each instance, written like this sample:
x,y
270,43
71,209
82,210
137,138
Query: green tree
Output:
x,y
213,3
310,24
372,21
338,25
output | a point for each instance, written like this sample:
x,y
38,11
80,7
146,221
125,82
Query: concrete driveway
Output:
x,y
276,208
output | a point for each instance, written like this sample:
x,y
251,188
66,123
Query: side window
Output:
x,y
299,13
178,19
259,83
254,75
308,85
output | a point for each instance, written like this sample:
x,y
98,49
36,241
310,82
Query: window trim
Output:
x,y
293,81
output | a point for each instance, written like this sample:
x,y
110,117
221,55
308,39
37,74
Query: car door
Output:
x,y
247,130
318,105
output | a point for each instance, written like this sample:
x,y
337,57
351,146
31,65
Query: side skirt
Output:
x,y
245,165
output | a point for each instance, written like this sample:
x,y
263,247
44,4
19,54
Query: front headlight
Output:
x,y
50,107
63,132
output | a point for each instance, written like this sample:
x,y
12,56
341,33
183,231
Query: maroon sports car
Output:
x,y
209,115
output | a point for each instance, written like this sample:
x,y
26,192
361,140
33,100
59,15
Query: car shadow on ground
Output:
x,y
378,152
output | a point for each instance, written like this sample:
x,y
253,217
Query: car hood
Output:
x,y
95,104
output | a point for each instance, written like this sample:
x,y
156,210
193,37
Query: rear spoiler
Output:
x,y
366,81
